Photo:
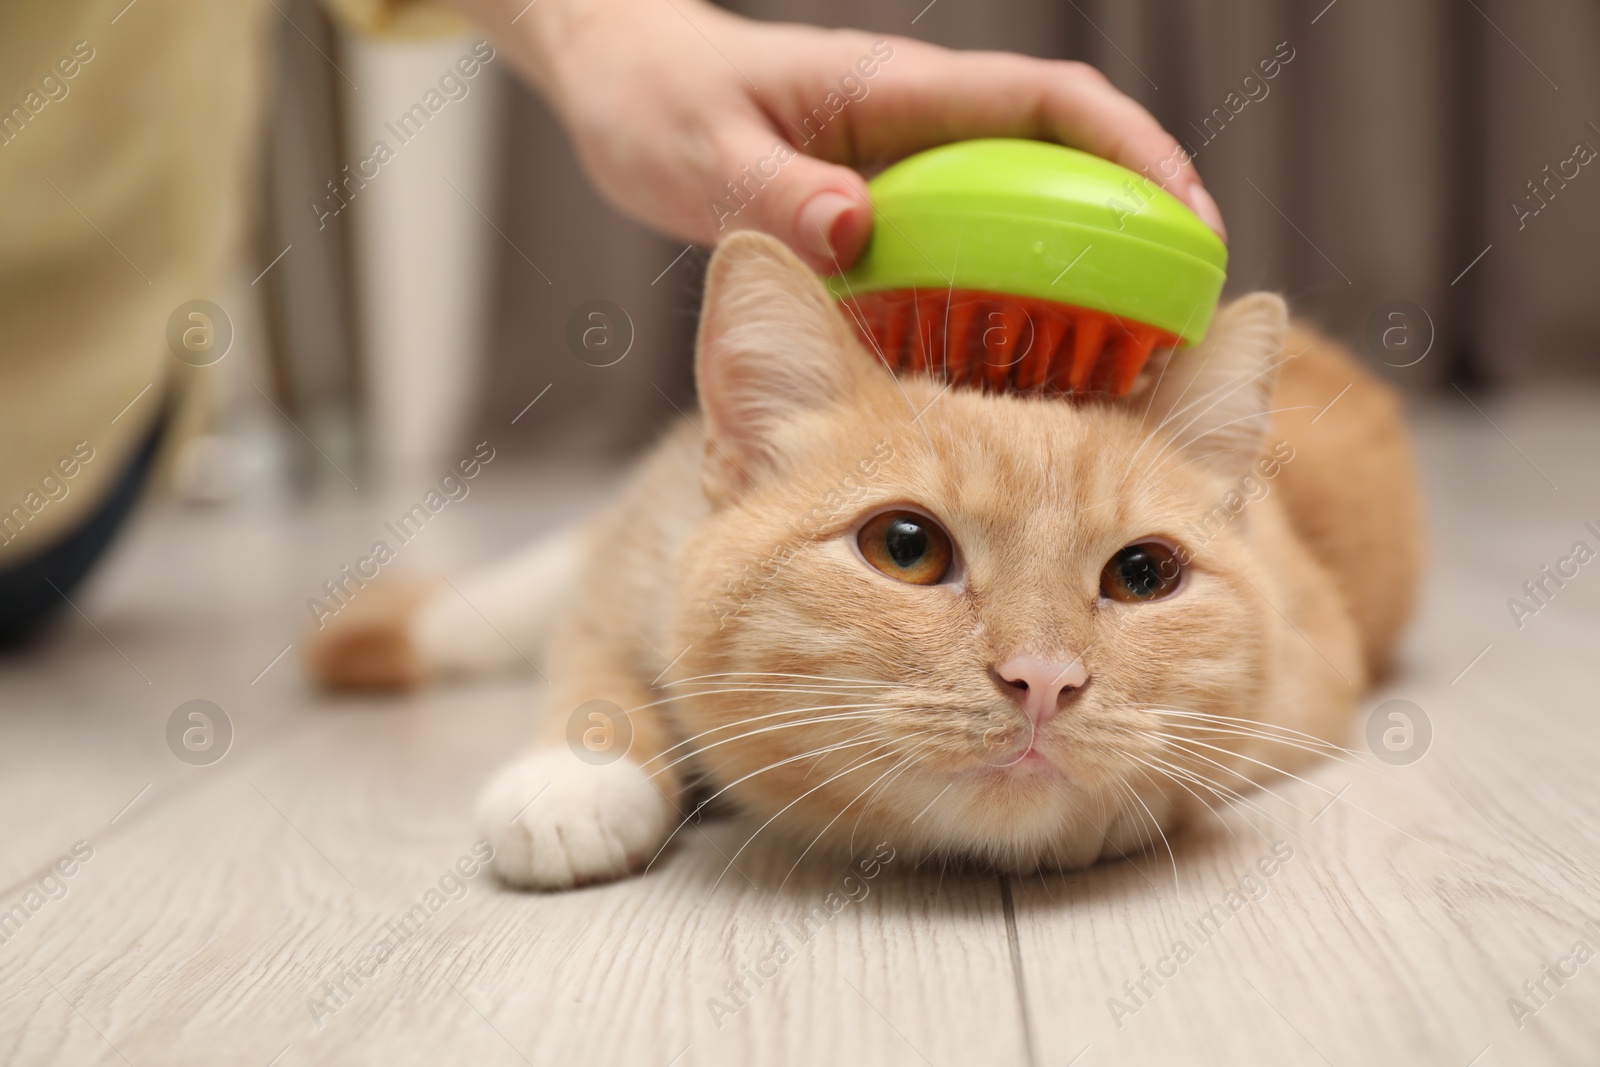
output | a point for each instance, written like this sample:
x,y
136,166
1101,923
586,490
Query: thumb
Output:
x,y
819,209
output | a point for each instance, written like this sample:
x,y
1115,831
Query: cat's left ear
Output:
x,y
772,344
1214,399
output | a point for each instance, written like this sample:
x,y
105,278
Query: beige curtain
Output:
x,y
1381,164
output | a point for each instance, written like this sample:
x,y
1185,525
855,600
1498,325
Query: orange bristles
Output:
x,y
1005,343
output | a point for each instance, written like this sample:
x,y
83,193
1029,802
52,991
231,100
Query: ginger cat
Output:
x,y
1024,630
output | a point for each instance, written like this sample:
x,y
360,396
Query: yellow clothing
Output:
x,y
125,188
128,150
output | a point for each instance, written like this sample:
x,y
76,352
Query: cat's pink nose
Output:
x,y
1041,685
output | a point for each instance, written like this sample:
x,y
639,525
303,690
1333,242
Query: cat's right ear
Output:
x,y
772,344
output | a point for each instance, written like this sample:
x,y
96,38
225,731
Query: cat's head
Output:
x,y
952,620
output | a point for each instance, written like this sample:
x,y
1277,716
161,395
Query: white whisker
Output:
x,y
1228,795
1144,770
1156,824
820,833
848,770
699,753
784,674
771,766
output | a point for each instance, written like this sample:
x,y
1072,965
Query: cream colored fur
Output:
x,y
839,704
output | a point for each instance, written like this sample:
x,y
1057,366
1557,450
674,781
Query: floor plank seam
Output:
x,y
1014,947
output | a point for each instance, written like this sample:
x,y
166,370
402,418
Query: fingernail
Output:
x,y
1207,209
822,223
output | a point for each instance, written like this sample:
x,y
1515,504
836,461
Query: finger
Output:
x,y
1082,108
928,96
819,209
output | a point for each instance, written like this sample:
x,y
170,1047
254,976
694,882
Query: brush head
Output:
x,y
1023,266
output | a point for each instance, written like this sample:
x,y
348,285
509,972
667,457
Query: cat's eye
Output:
x,y
907,546
1148,570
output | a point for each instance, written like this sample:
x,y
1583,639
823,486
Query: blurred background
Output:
x,y
1400,177
1414,176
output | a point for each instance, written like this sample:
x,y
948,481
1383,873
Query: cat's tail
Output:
x,y
397,634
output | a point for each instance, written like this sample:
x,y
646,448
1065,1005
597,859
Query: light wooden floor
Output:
x,y
220,899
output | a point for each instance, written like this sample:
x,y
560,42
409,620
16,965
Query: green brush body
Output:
x,y
1024,266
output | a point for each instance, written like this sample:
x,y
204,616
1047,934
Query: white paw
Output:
x,y
556,822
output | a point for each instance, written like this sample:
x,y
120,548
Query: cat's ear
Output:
x,y
772,344
1214,399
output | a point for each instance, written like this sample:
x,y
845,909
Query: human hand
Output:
x,y
670,101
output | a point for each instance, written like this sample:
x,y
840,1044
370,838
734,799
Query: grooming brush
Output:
x,y
1020,266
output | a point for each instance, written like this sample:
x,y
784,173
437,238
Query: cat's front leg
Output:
x,y
596,801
